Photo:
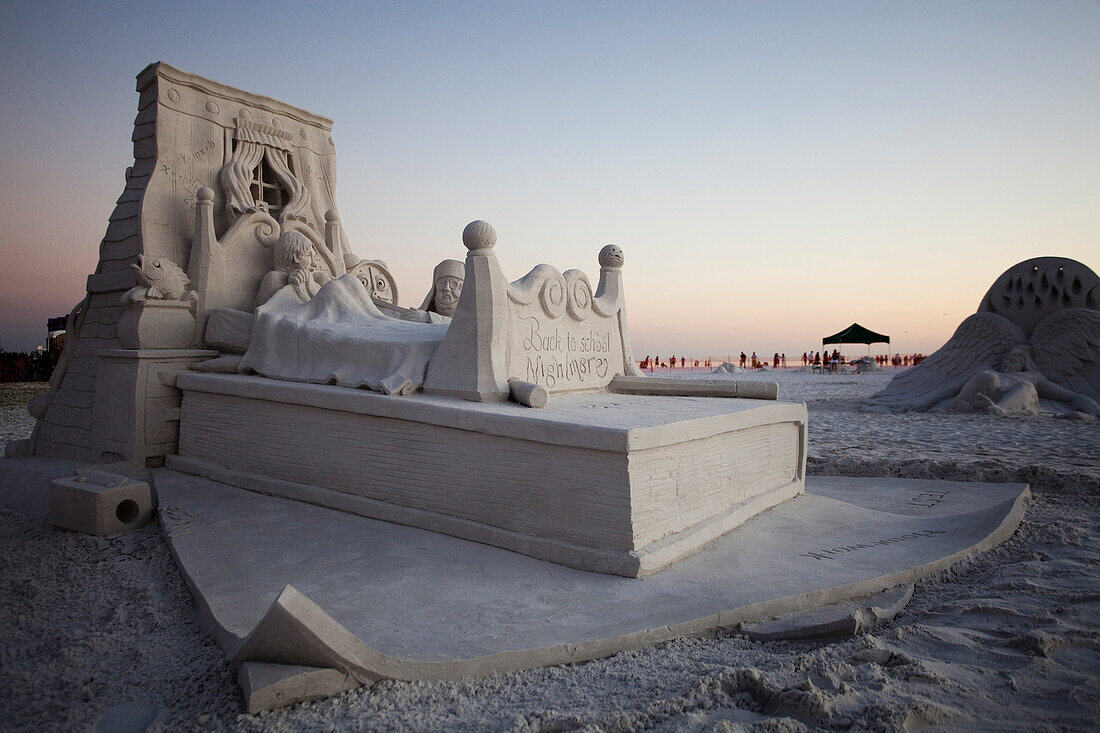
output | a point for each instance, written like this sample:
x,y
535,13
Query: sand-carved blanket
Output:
x,y
340,337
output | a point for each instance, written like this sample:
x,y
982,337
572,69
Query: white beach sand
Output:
x,y
102,631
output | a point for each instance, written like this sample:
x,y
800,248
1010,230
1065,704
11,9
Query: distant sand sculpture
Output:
x,y
1033,346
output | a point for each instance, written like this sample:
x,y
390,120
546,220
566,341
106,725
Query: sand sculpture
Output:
x,y
1033,346
230,335
866,364
728,367
660,481
250,344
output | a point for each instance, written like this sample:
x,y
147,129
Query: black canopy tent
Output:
x,y
856,334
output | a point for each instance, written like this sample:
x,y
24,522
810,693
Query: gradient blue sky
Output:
x,y
773,170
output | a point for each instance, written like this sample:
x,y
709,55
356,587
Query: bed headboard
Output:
x,y
548,328
226,272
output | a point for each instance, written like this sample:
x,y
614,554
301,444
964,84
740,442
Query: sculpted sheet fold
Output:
x,y
340,337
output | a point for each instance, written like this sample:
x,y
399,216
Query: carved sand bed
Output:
x,y
375,600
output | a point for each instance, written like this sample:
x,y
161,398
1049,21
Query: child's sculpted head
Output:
x,y
294,251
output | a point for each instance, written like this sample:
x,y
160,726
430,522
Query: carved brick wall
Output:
x,y
65,431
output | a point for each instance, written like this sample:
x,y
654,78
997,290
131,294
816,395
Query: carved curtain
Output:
x,y
256,142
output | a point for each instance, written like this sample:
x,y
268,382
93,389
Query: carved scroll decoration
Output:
x,y
579,303
557,293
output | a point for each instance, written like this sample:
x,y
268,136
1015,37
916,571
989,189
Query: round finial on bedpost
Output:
x,y
611,256
479,235
331,216
205,194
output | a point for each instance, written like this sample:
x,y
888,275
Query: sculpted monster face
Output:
x,y
161,276
611,256
448,288
1031,290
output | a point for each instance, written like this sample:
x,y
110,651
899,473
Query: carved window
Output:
x,y
267,189
261,174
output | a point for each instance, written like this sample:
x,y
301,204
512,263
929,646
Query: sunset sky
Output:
x,y
773,171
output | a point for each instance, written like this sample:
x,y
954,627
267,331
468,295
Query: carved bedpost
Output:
x,y
471,360
334,242
610,298
202,254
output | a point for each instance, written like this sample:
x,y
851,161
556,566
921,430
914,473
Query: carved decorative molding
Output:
x,y
254,132
198,90
579,295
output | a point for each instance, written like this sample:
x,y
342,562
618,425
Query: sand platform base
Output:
x,y
611,483
309,602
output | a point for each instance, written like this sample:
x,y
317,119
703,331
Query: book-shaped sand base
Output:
x,y
612,483
309,602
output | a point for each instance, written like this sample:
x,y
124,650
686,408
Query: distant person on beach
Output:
x,y
783,359
682,362
805,359
743,359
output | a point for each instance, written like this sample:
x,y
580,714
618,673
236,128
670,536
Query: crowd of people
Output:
x,y
655,362
899,360
825,361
